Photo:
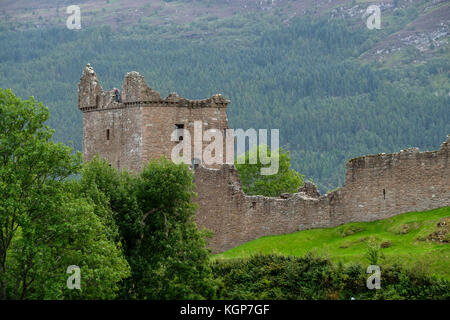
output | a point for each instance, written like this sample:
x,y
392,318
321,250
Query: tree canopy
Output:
x,y
285,180
132,236
44,226
154,214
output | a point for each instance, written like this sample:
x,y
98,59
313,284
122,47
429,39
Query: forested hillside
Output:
x,y
313,77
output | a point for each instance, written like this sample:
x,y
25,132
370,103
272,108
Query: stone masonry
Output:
x,y
376,187
137,129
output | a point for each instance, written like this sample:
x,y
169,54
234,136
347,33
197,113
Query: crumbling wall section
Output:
x,y
131,132
115,135
376,187
137,129
379,186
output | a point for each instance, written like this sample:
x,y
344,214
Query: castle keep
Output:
x,y
131,132
137,129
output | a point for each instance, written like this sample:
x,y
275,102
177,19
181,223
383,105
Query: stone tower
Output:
x,y
137,129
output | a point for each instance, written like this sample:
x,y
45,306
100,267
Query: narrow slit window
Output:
x,y
107,134
179,128
384,194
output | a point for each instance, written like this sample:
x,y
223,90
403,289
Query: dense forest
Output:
x,y
307,78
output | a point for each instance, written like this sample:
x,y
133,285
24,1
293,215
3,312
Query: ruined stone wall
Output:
x,y
376,187
123,149
236,218
131,132
159,122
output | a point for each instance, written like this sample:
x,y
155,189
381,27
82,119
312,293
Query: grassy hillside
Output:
x,y
410,238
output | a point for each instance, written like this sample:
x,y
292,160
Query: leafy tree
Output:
x,y
154,214
286,180
171,257
44,226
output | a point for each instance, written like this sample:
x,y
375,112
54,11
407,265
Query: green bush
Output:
x,y
314,277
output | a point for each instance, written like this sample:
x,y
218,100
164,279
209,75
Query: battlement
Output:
x,y
134,92
138,128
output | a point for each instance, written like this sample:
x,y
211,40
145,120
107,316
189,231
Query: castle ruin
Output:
x,y
137,129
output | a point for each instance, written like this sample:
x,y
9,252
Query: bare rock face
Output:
x,y
310,190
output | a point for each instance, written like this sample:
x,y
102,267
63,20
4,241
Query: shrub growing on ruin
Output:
x,y
286,180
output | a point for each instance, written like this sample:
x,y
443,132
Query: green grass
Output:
x,y
406,233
